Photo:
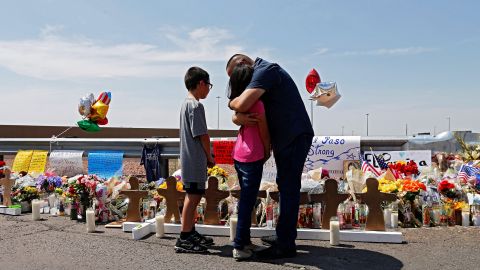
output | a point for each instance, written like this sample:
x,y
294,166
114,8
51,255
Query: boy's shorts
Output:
x,y
194,188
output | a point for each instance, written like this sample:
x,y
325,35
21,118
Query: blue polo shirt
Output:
x,y
286,114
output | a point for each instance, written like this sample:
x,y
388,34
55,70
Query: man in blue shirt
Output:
x,y
291,136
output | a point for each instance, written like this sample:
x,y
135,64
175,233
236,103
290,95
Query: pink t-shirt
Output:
x,y
249,145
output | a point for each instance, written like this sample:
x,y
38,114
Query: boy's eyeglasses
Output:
x,y
209,85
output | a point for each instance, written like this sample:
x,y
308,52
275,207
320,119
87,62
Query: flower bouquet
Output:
x,y
221,174
410,211
48,182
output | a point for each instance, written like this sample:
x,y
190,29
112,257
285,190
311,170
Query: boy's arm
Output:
x,y
243,102
264,135
205,140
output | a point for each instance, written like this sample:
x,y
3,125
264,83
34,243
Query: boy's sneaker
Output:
x,y
242,254
254,248
202,239
189,245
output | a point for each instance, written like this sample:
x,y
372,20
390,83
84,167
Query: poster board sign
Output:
x,y
223,149
327,152
423,158
105,164
38,162
22,160
66,162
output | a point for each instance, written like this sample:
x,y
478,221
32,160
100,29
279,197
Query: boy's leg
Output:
x,y
249,177
189,208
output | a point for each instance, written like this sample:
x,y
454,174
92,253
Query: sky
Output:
x,y
412,66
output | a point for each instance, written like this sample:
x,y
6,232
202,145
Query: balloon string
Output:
x,y
57,136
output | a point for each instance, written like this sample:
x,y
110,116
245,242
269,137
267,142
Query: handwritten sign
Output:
x,y
66,162
269,170
423,158
22,160
223,151
329,152
38,161
105,164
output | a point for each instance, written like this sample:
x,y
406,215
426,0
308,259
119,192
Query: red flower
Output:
x,y
445,185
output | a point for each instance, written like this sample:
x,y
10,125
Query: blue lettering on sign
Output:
x,y
316,150
327,140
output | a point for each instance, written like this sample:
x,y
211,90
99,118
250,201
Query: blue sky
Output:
x,y
409,63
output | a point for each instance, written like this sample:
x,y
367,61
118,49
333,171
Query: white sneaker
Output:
x,y
239,254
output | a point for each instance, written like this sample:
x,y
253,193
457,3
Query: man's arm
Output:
x,y
246,99
264,135
205,140
245,119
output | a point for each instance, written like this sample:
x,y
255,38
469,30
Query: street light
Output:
x,y
218,112
448,123
342,129
367,122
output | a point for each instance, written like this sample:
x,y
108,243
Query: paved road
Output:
x,y
59,243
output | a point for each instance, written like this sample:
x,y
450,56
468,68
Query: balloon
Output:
x,y
99,111
84,107
312,79
105,97
88,125
102,122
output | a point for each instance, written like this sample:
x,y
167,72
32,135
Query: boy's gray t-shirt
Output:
x,y
192,156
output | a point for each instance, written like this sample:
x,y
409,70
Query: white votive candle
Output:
x,y
159,226
394,220
36,204
90,220
334,232
233,227
387,217
476,220
465,218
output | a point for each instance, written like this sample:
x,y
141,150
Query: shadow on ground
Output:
x,y
342,257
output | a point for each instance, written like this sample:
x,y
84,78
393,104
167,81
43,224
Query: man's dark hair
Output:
x,y
231,58
239,80
194,75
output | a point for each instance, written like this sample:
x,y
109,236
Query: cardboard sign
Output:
x,y
66,162
223,151
22,160
105,164
423,158
329,152
38,161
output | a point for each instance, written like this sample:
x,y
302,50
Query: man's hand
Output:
x,y
210,162
245,119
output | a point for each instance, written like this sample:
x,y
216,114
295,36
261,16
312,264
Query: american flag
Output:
x,y
381,162
468,173
367,167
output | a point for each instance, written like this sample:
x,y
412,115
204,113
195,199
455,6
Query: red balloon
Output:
x,y
102,122
312,79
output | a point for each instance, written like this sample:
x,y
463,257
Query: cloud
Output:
x,y
52,56
394,51
320,51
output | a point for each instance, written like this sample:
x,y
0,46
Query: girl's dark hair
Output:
x,y
239,80
194,75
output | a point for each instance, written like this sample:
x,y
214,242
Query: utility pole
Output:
x,y
448,123
367,122
342,129
218,112
406,129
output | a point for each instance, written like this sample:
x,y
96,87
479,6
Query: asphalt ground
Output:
x,y
60,243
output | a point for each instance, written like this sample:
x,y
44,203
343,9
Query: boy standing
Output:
x,y
195,156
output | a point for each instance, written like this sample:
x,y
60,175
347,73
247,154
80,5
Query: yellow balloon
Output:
x,y
99,111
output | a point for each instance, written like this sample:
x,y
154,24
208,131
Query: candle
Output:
x,y
476,220
436,216
334,231
159,226
387,217
90,220
51,200
465,218
394,220
36,209
233,227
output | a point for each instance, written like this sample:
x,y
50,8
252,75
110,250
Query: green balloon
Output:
x,y
88,125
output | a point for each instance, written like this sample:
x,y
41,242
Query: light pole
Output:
x,y
342,129
311,110
448,123
218,112
367,114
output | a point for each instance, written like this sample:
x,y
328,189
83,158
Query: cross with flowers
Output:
x,y
213,196
134,195
7,184
373,198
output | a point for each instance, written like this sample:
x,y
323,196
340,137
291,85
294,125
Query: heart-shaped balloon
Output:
x,y
312,79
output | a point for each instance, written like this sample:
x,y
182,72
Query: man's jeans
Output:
x,y
290,162
249,177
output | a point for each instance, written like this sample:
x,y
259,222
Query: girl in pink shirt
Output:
x,y
251,150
